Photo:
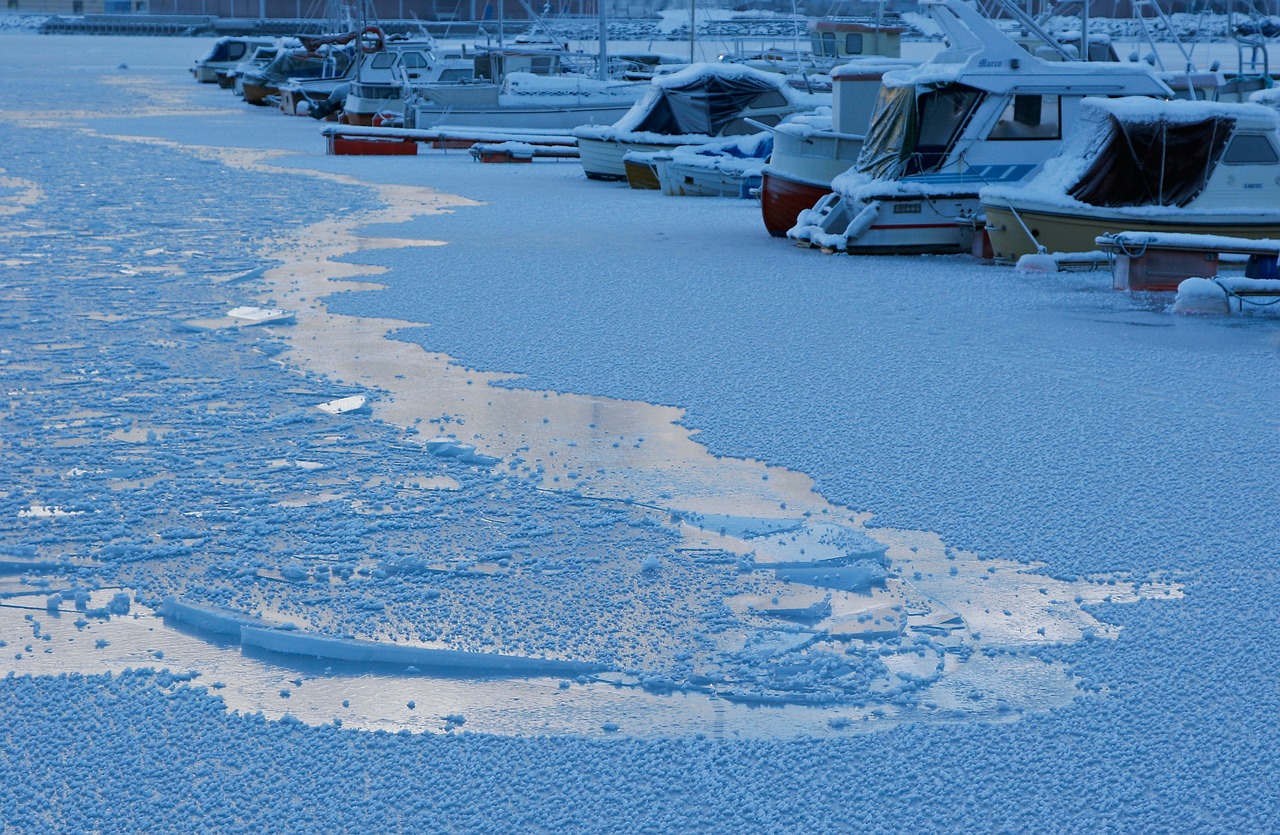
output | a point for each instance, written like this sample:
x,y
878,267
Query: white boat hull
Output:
x,y
889,225
519,117
816,159
602,158
684,178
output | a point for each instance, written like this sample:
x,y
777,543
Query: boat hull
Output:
x,y
782,199
518,117
889,224
684,178
1059,231
257,94
602,159
910,226
641,175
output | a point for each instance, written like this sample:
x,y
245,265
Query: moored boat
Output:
x,y
1139,165
982,111
377,83
730,168
225,54
695,106
809,153
320,57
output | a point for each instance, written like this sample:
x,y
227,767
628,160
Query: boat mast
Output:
x,y
693,27
1084,31
603,60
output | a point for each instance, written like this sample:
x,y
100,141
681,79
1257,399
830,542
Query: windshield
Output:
x,y
943,113
913,128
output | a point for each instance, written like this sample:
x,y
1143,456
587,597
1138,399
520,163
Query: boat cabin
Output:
x,y
841,40
712,100
224,55
984,109
1144,153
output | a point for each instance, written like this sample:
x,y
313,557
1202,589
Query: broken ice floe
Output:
x,y
244,316
43,511
259,634
261,315
445,447
345,405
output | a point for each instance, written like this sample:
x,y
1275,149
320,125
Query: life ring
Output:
x,y
379,40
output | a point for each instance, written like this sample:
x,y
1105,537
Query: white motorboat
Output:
x,y
1138,165
809,153
983,111
697,105
730,168
225,54
522,86
376,85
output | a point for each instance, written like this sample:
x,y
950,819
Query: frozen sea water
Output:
x,y
1023,420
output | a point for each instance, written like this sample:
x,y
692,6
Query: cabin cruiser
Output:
x,y
983,111
225,54
1140,165
321,57
809,153
832,42
259,58
730,168
378,88
521,87
700,104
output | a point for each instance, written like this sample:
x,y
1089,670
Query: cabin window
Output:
x,y
942,115
235,50
382,61
541,65
853,43
77,7
413,60
1030,117
1250,149
769,98
824,43
456,75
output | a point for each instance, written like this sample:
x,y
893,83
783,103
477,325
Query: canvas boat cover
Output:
x,y
913,127
706,103
1154,163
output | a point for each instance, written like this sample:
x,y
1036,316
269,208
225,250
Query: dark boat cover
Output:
x,y
706,104
1158,163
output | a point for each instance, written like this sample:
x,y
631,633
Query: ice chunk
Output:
x,y
345,405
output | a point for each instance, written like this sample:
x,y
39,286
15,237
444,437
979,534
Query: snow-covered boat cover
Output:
x,y
698,102
1137,153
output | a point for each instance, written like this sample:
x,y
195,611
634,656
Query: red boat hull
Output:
x,y
781,199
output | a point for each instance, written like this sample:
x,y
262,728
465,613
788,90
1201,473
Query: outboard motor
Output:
x,y
331,105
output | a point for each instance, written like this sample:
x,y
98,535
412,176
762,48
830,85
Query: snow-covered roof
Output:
x,y
860,67
1138,110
